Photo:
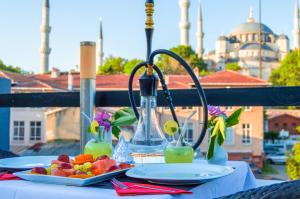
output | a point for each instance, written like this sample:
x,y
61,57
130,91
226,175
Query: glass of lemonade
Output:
x,y
183,153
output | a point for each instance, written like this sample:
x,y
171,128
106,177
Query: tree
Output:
x,y
288,73
233,66
130,64
171,66
9,68
112,65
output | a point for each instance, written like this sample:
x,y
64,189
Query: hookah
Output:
x,y
148,139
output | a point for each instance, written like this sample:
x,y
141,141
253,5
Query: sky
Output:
x,y
73,21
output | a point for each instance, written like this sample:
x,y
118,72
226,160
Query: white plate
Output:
x,y
26,162
67,181
194,173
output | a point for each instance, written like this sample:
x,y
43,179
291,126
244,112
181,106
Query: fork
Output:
x,y
121,185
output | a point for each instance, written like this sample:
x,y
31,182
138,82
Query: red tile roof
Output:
x,y
228,77
120,81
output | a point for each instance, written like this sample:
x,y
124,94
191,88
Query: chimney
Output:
x,y
70,81
55,73
167,79
196,71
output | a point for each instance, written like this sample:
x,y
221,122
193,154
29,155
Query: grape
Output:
x,y
65,165
64,158
39,170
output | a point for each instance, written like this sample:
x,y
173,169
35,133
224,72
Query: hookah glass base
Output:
x,y
148,143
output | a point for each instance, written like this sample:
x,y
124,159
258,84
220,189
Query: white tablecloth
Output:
x,y
241,179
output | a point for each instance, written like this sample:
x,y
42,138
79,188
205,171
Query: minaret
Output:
x,y
45,30
200,33
100,53
296,26
184,22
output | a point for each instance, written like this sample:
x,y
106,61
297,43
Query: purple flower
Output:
x,y
215,111
102,119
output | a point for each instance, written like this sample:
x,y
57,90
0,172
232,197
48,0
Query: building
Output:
x,y
242,46
34,125
284,122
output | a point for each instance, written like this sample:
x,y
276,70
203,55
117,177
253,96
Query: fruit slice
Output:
x,y
124,165
58,172
94,127
171,127
81,159
102,166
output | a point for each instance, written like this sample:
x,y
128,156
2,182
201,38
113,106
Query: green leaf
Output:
x,y
116,131
124,121
211,148
222,126
215,129
234,118
123,112
221,140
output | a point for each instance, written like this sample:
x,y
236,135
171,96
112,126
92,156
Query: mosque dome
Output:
x,y
251,27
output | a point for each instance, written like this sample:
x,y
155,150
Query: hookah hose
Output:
x,y
166,91
197,84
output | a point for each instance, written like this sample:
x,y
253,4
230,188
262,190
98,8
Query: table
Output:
x,y
242,179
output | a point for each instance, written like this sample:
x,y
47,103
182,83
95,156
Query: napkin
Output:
x,y
132,191
8,176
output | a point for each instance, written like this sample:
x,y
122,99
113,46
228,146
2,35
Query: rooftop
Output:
x,y
44,82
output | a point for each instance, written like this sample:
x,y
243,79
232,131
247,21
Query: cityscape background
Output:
x,y
123,21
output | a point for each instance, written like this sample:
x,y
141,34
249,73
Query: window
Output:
x,y
229,108
189,136
276,125
35,130
18,131
246,139
229,136
285,126
247,108
187,107
294,124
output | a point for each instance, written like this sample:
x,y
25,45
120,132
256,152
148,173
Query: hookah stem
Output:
x,y
148,119
197,84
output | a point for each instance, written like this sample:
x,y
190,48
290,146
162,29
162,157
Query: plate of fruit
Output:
x,y
81,171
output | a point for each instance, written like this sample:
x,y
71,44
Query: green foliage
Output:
x,y
171,66
268,169
234,118
298,129
121,118
288,74
9,68
293,163
271,135
233,66
112,65
130,64
219,125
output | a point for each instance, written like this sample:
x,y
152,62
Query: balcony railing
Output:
x,y
259,96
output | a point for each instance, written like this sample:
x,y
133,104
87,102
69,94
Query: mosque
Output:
x,y
251,44
248,44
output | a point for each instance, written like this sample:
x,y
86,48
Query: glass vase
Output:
x,y
220,155
98,146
